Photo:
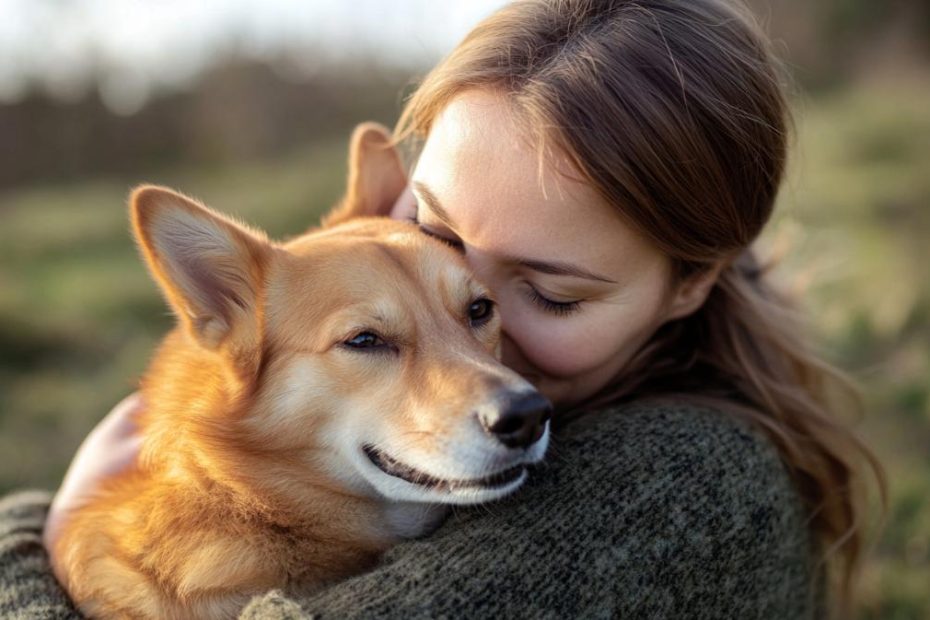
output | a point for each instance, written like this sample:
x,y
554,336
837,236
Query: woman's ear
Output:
x,y
376,176
692,291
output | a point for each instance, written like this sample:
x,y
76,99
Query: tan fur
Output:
x,y
237,489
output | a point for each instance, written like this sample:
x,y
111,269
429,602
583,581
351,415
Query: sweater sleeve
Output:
x,y
646,511
28,589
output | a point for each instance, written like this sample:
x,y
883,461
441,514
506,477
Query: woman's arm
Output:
x,y
649,511
110,448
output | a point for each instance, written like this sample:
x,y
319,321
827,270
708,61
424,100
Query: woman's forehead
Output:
x,y
487,176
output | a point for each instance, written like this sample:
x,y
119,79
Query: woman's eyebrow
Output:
x,y
432,203
556,268
559,269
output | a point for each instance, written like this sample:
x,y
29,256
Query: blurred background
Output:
x,y
248,106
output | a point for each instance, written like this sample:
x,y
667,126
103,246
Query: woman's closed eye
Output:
x,y
540,300
558,308
455,244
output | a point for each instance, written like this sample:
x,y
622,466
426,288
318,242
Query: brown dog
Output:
x,y
319,400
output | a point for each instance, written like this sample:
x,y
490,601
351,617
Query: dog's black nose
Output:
x,y
521,421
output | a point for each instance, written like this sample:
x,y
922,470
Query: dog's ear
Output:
x,y
209,267
376,176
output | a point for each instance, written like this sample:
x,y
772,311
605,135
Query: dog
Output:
x,y
318,401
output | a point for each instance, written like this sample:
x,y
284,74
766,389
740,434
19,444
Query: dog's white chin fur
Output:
x,y
394,488
476,457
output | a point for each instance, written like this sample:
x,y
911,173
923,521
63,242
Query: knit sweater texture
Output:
x,y
647,510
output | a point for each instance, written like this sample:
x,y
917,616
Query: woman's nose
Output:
x,y
489,273
482,265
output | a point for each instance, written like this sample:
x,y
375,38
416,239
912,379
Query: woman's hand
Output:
x,y
108,450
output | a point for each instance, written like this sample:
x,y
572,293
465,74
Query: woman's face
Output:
x,y
578,290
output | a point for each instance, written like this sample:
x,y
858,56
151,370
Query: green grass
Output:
x,y
79,315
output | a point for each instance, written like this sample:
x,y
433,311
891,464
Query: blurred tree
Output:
x,y
243,110
238,111
829,42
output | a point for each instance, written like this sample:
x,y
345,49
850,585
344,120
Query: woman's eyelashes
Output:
x,y
455,244
558,308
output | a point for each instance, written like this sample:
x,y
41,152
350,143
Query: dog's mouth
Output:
x,y
393,467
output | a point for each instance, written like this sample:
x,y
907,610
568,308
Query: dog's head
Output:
x,y
362,355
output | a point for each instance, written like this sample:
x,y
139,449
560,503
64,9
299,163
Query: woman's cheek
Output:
x,y
563,347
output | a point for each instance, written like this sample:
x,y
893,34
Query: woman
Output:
x,y
604,167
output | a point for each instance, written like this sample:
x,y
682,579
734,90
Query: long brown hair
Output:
x,y
675,112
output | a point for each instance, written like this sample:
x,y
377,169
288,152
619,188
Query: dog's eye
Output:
x,y
366,340
480,311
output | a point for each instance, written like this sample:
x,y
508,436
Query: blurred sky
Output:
x,y
130,48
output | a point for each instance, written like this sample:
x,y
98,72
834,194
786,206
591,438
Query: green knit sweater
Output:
x,y
649,510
